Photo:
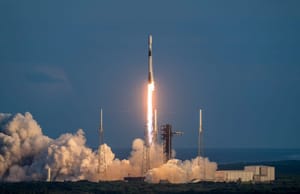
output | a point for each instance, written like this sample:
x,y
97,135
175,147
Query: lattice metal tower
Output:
x,y
166,134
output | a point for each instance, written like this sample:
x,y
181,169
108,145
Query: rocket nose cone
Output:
x,y
150,39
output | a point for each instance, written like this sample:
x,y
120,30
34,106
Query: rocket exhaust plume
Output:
x,y
150,118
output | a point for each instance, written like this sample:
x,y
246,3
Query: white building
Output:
x,y
233,176
250,173
261,173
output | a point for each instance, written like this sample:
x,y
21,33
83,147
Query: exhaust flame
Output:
x,y
150,113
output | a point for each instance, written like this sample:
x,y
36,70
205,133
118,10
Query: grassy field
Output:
x,y
287,181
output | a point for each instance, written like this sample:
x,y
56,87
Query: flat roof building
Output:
x,y
233,176
262,173
250,173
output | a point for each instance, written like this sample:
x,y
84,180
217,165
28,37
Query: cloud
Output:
x,y
48,80
47,75
41,77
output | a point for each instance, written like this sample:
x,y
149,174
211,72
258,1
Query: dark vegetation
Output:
x,y
287,181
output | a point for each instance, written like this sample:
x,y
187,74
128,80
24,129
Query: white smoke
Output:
x,y
177,171
26,154
21,140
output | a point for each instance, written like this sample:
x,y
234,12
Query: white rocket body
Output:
x,y
150,69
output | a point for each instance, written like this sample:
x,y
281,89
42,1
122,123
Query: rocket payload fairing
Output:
x,y
150,70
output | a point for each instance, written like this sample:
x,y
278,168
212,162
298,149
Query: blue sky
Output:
x,y
238,60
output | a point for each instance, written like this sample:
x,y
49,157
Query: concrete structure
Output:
x,y
261,173
233,176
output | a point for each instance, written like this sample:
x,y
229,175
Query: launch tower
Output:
x,y
166,137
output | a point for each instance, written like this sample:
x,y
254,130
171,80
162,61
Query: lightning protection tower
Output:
x,y
200,138
200,147
101,150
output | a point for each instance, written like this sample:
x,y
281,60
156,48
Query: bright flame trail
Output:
x,y
150,113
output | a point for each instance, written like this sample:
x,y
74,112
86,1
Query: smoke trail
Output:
x,y
26,153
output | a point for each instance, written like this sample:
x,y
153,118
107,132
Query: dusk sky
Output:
x,y
237,60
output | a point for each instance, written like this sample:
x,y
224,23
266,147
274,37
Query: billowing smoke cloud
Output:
x,y
21,141
177,171
26,154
